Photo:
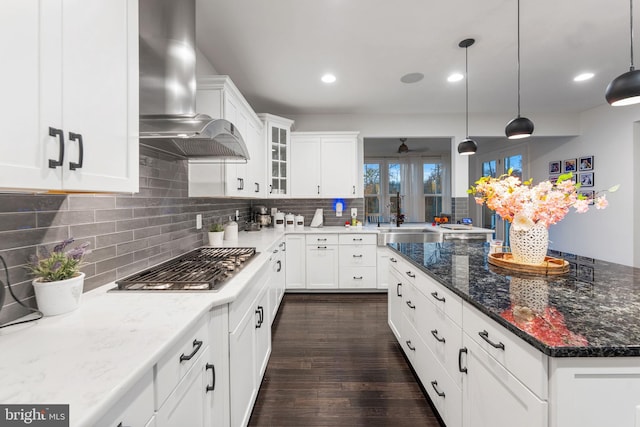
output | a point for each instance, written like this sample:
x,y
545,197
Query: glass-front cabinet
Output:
x,y
278,132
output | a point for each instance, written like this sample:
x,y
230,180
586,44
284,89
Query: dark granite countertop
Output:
x,y
592,311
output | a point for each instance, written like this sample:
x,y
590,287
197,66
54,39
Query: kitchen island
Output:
x,y
556,350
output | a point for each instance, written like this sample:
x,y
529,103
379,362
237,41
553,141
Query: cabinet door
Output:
x,y
26,144
263,334
305,167
100,94
236,173
322,267
494,397
255,181
382,267
395,301
339,167
185,406
279,151
242,360
295,263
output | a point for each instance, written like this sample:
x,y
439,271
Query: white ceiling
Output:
x,y
275,51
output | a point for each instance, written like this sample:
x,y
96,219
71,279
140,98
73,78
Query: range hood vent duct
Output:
x,y
168,120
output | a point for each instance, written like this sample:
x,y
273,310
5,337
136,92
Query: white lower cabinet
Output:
x,y
249,346
492,396
295,261
395,301
277,279
322,265
135,407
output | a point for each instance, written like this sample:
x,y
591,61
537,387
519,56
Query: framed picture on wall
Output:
x,y
553,178
589,194
570,165
554,167
585,163
586,179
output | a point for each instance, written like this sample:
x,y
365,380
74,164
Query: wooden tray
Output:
x,y
550,266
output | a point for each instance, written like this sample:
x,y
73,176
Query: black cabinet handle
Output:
x,y
258,322
439,298
275,251
434,384
398,286
279,266
196,346
318,189
435,335
411,305
321,240
357,278
410,274
270,189
485,336
257,190
357,256
412,348
239,184
260,313
57,132
283,245
213,377
393,260
354,189
322,247
77,137
357,240
460,368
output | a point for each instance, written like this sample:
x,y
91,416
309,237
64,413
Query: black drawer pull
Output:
x,y
357,240
196,346
257,190
57,132
410,274
434,384
357,278
321,240
435,335
354,189
213,377
357,256
398,292
260,313
410,346
460,368
322,247
393,260
318,189
279,266
485,336
439,298
270,189
411,305
77,137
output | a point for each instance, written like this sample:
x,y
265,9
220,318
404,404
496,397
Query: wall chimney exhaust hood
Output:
x,y
168,120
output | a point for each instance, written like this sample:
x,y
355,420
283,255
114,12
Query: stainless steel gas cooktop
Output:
x,y
202,269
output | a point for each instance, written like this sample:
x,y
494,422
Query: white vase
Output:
x,y
59,297
529,246
215,238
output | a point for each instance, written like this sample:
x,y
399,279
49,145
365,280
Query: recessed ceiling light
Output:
x,y
412,78
328,78
582,77
455,77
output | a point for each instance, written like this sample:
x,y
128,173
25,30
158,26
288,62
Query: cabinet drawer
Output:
x,y
358,255
443,299
177,361
322,239
358,239
407,271
135,408
244,302
358,277
525,362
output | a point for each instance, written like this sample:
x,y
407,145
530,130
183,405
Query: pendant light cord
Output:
x,y
630,32
518,58
466,81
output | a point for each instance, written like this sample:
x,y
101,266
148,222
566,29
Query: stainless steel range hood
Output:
x,y
168,120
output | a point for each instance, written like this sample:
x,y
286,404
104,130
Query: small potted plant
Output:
x,y
58,280
216,234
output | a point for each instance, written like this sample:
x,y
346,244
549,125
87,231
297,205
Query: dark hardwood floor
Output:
x,y
335,362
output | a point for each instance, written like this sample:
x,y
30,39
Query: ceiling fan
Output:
x,y
404,148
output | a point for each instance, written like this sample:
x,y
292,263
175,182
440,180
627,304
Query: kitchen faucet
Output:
x,y
399,216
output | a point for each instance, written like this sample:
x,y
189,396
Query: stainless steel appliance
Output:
x,y
202,269
261,215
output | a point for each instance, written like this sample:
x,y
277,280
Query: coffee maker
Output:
x,y
261,216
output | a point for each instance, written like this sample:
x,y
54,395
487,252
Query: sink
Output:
x,y
406,235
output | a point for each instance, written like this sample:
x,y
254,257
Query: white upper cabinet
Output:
x,y
218,97
278,142
324,164
70,120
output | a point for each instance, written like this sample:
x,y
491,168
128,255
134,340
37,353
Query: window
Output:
x,y
420,182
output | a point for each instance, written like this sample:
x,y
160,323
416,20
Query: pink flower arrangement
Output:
x,y
525,205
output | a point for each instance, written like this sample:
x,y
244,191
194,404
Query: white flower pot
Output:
x,y
59,297
215,238
529,246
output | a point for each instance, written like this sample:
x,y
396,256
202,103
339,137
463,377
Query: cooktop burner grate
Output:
x,y
201,269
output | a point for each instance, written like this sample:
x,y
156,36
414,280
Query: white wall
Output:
x,y
203,66
607,133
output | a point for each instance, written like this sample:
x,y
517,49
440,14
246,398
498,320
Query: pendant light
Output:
x,y
467,146
625,89
520,127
